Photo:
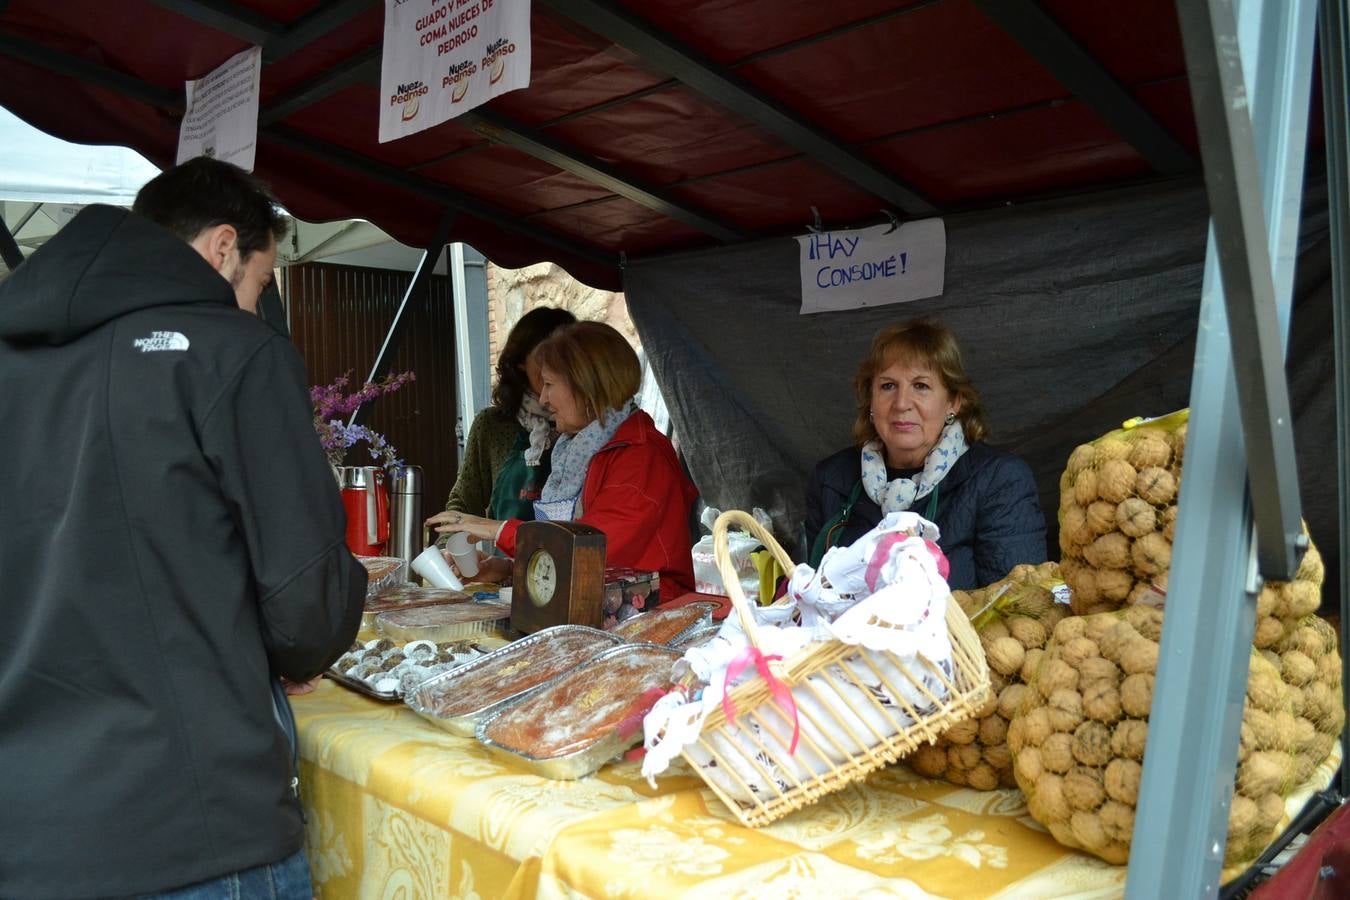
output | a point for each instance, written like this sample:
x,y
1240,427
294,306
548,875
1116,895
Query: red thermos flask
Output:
x,y
367,504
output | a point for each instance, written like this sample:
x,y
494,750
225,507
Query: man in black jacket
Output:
x,y
172,545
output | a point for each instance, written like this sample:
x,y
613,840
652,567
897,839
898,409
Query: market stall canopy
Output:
x,y
649,126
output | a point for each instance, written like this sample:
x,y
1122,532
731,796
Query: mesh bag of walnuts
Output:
x,y
1078,742
1014,617
1118,513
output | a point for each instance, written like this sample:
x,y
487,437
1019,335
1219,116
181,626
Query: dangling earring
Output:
x,y
951,417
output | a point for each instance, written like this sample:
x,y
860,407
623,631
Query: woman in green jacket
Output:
x,y
506,455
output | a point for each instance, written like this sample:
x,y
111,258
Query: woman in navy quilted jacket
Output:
x,y
918,445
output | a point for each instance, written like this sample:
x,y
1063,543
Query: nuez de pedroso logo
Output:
x,y
407,95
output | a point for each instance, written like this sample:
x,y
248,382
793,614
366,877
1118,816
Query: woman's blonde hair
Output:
x,y
595,361
926,343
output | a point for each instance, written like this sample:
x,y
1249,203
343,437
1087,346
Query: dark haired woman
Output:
x,y
506,455
918,445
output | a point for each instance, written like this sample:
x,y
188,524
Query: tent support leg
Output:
x,y
384,361
1182,820
9,248
1334,44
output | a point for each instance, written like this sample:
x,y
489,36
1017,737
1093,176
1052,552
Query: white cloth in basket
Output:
x,y
884,594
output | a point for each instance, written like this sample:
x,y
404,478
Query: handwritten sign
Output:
x,y
444,57
872,266
221,120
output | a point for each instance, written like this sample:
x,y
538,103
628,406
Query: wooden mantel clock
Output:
x,y
559,576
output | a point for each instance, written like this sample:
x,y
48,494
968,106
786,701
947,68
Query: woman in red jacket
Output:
x,y
611,468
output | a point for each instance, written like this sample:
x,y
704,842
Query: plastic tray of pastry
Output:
x,y
383,572
444,622
384,670
665,624
407,596
571,726
457,700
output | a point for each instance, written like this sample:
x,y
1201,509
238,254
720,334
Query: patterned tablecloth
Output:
x,y
399,808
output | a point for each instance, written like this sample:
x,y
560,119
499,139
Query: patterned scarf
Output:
x,y
560,499
902,493
534,419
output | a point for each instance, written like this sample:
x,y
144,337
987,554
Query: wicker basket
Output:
x,y
833,705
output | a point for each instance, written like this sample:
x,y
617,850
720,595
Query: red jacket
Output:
x,y
638,495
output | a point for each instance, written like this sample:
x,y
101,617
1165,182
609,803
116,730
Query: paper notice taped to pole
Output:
x,y
221,120
444,57
872,266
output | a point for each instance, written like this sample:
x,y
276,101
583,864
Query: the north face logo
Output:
x,y
161,340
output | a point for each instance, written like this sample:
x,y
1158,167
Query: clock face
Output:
x,y
541,576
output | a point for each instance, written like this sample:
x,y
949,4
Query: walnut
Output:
x,y
1265,689
962,756
1114,584
1005,655
1156,485
1047,794
993,729
1117,637
1085,487
1302,598
1117,820
1178,440
1070,628
1116,480
1242,818
1270,810
1081,458
1087,830
1054,675
992,631
1057,752
1073,528
1101,517
1147,620
1035,726
1085,596
1030,633
1264,771
1029,767
1134,517
1139,656
1101,702
1083,788
982,777
1306,639
1092,744
1010,700
1269,630
1122,780
1129,738
1110,551
1077,650
1107,449
1031,664
1098,668
1168,521
1151,554
962,732
929,761
1150,450
1297,668
1136,694
998,756
1311,568
1065,709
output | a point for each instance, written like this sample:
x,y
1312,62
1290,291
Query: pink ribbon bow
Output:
x,y
883,552
780,692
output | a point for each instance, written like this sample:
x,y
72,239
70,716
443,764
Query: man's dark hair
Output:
x,y
528,333
203,193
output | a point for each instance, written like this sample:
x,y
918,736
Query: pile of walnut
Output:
x,y
1078,741
1118,513
1013,617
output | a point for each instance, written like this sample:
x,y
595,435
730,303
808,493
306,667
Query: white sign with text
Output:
x,y
872,266
221,120
444,57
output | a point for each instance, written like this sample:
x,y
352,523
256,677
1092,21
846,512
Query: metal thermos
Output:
x,y
367,504
405,513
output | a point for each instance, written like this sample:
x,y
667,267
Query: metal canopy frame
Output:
x,y
1333,30
9,248
1181,824
1039,34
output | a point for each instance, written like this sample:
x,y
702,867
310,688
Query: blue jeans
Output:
x,y
285,880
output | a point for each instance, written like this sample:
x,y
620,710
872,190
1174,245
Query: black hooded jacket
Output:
x,y
172,541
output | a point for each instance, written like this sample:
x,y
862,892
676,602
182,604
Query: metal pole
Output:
x,y
1334,43
1182,820
384,361
9,248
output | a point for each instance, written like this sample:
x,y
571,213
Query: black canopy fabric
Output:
x,y
1073,316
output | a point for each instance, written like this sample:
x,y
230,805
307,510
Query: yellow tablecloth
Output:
x,y
400,809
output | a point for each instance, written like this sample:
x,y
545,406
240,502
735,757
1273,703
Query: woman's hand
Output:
x,y
476,527
491,569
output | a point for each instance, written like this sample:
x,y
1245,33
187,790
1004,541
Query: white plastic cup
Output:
x,y
433,568
464,552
